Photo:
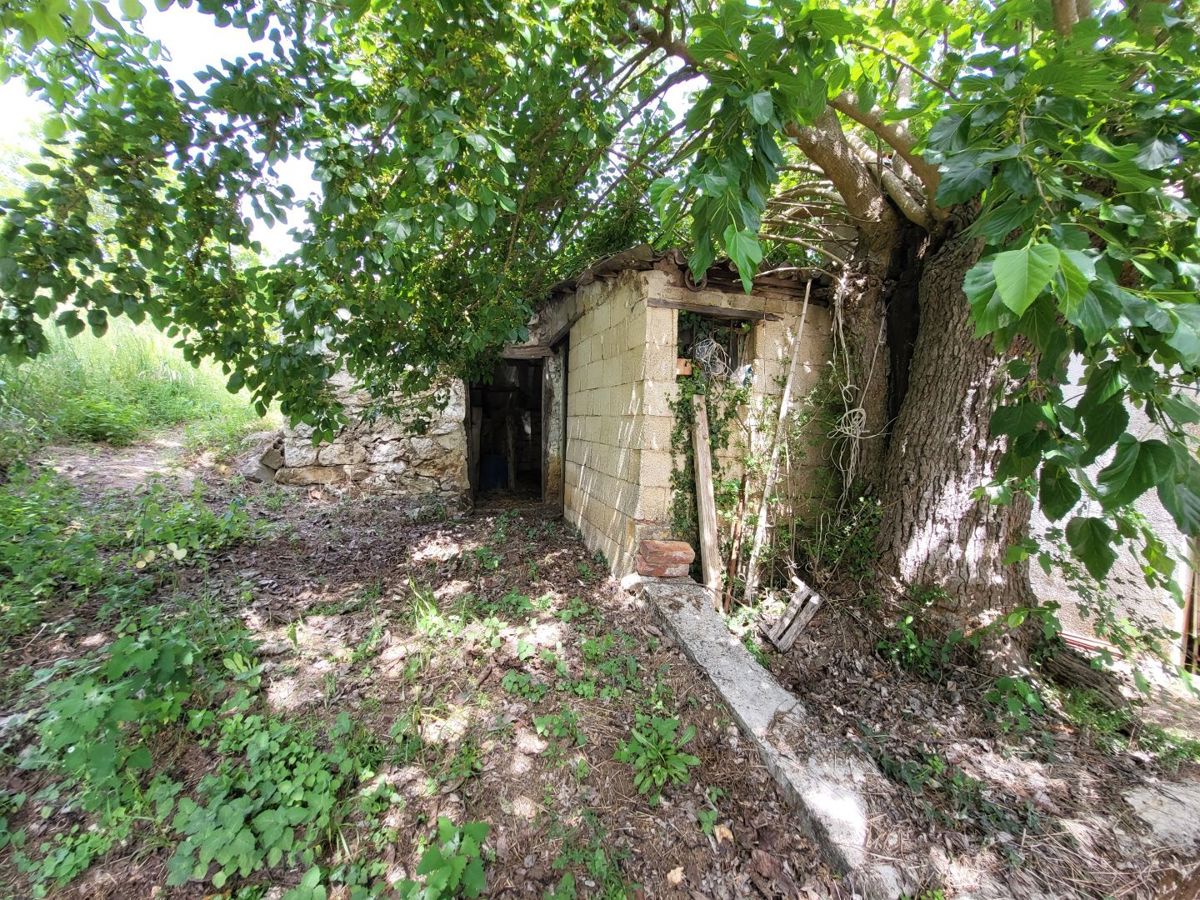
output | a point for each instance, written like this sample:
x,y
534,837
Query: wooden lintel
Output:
x,y
717,312
562,331
526,351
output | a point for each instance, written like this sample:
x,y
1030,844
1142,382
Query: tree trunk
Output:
x,y
933,533
863,366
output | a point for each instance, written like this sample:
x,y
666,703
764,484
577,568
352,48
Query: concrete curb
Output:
x,y
825,788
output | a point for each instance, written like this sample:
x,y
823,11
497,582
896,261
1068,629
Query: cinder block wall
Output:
x,y
617,481
620,386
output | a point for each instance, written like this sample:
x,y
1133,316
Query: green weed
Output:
x,y
655,751
1016,700
453,867
275,796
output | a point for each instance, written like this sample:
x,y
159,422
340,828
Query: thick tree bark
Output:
x,y
933,533
923,392
863,366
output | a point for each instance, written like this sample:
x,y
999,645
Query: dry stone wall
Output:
x,y
428,466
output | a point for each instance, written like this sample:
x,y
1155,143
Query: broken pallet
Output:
x,y
800,609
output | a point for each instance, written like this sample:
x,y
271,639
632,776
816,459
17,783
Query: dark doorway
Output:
x,y
506,431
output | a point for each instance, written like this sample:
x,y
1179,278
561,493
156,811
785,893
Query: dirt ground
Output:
x,y
500,641
338,595
1046,810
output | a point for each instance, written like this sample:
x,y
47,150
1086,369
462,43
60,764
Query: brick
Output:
x,y
664,559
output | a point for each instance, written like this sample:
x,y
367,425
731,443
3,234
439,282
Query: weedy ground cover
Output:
x,y
212,695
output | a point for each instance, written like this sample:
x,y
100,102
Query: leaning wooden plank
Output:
x,y
801,608
706,503
775,632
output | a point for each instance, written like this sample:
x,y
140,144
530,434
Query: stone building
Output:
x,y
425,465
579,416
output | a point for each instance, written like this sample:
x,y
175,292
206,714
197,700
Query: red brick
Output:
x,y
664,559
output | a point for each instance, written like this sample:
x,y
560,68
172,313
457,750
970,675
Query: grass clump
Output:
x,y
116,389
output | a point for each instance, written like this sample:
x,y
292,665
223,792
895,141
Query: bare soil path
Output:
x,y
97,468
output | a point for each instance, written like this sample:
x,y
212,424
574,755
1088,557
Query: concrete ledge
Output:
x,y
825,786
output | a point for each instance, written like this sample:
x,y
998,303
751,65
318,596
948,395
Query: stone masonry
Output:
x,y
386,456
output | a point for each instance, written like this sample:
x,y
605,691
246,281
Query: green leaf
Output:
x,y
474,881
761,107
1102,425
1182,500
1183,409
54,128
963,179
132,9
745,251
1137,467
1022,275
1186,339
1157,153
1057,492
1091,540
1019,419
139,759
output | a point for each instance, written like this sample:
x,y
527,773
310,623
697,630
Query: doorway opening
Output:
x,y
506,431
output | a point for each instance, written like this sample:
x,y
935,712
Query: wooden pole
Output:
x,y
785,402
735,544
706,503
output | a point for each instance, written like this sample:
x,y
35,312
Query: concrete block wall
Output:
x,y
620,387
769,355
616,471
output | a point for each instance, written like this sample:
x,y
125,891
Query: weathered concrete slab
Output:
x,y
1172,810
825,786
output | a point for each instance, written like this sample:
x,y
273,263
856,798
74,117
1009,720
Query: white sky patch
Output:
x,y
193,43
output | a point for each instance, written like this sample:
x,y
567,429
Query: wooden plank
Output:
x,y
760,527
775,632
798,624
526,351
716,312
800,610
706,503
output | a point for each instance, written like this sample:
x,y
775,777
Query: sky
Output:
x,y
193,42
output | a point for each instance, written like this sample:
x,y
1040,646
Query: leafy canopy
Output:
x,y
469,154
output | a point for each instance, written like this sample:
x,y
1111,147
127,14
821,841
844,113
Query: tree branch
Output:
x,y
896,137
815,248
913,209
825,144
905,64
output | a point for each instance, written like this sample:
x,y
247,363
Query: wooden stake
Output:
x,y
706,503
785,401
735,542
